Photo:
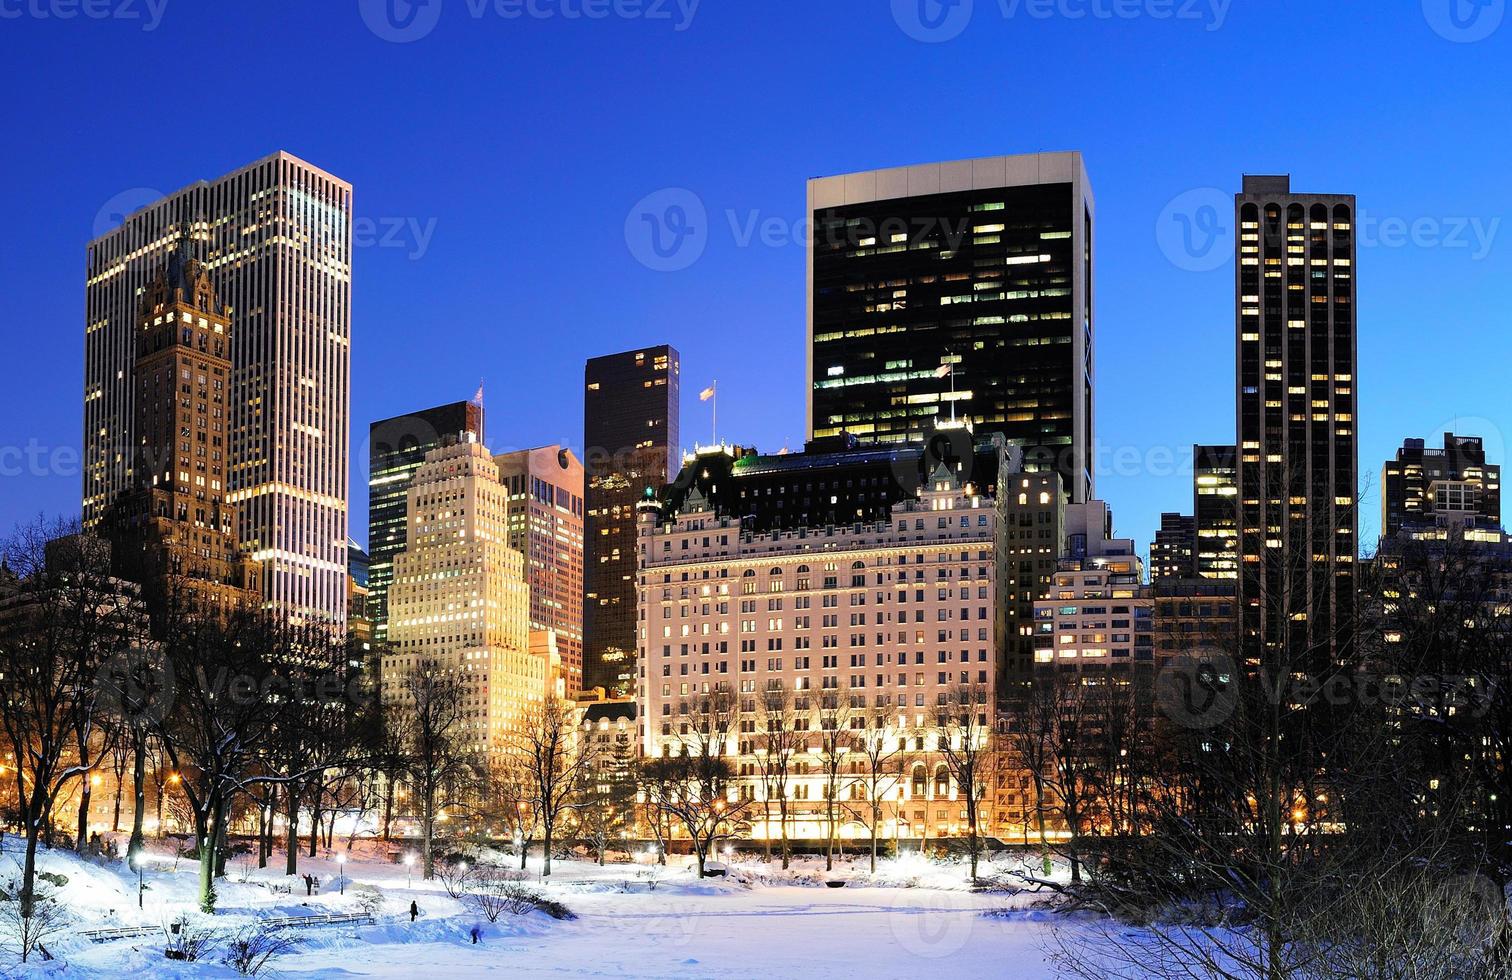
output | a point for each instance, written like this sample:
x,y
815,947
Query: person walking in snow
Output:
x,y
414,911
476,932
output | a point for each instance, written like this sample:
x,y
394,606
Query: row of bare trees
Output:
x,y
1318,814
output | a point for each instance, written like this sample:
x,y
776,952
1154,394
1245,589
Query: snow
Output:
x,y
913,919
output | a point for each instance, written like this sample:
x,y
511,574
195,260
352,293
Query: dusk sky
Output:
x,y
501,155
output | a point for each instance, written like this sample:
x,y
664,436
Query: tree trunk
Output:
x,y
315,821
388,812
546,829
291,830
85,789
138,796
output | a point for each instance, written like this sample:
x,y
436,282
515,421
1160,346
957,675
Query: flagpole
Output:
x,y
714,411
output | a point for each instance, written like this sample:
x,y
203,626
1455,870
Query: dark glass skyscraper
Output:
x,y
630,440
964,287
1298,519
396,448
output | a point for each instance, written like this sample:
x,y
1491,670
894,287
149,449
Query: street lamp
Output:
x,y
134,859
341,871
409,865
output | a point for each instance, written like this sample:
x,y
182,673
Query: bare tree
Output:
x,y
62,622
441,762
555,767
777,741
694,786
965,742
880,752
834,716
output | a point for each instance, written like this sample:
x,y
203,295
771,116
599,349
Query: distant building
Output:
x,y
276,237
1295,397
1173,553
1215,503
546,513
175,531
1097,616
1422,485
630,443
963,287
1194,615
396,448
459,601
359,626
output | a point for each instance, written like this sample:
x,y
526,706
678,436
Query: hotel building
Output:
x,y
872,599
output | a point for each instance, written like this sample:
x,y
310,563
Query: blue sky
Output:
x,y
501,153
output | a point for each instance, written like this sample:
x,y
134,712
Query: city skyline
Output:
x,y
419,256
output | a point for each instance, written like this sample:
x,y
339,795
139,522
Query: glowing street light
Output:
x,y
409,864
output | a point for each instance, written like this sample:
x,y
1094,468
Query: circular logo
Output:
x,y
1464,21
400,21
114,212
932,21
1199,689
136,687
951,448
667,230
941,927
1195,229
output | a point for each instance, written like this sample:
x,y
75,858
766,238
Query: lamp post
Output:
x,y
341,871
135,861
409,866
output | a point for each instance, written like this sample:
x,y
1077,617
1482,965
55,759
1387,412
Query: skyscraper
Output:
x,y
396,448
1421,485
630,442
963,288
545,488
459,601
1295,314
276,239
173,532
1215,505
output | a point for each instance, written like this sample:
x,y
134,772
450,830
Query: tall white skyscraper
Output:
x,y
276,236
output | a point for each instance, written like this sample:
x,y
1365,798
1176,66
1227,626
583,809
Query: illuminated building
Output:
x,y
546,526
961,288
630,442
275,236
459,599
1297,482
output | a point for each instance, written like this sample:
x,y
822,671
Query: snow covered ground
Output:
x,y
913,919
